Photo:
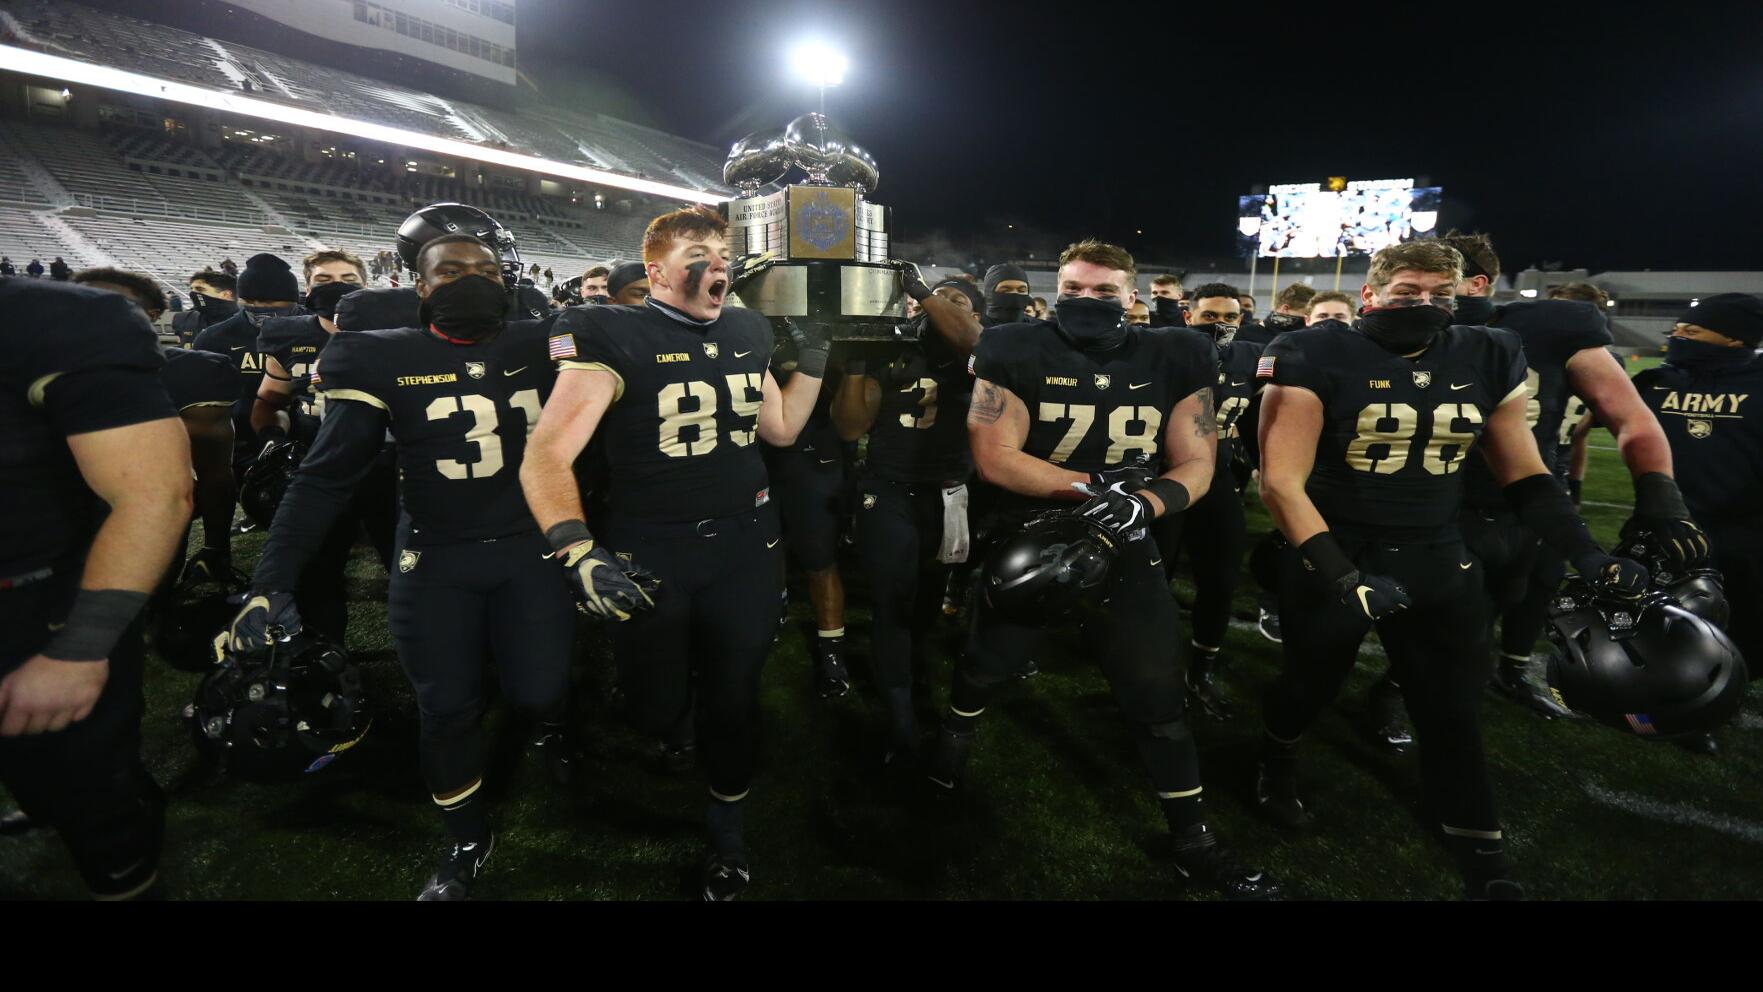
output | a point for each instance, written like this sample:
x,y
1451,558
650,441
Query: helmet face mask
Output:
x,y
282,713
1648,668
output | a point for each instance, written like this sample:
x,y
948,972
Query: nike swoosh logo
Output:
x,y
742,354
1364,603
120,875
1245,382
1464,386
828,461
1157,562
517,371
772,544
58,626
1465,565
1138,385
237,347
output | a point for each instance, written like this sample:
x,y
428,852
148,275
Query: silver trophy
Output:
x,y
820,246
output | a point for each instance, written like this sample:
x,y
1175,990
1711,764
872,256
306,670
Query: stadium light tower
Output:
x,y
821,65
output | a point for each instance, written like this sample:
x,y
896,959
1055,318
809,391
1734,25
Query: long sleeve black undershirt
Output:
x,y
349,440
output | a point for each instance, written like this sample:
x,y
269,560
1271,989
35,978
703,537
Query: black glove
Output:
x,y
1115,508
1612,576
265,618
604,586
912,281
748,266
812,343
1376,596
1135,474
1661,526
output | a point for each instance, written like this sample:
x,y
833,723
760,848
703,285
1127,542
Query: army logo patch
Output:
x,y
1700,428
869,501
1423,379
710,349
474,369
1102,381
624,556
407,561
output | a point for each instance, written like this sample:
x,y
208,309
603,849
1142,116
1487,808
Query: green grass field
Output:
x,y
1058,808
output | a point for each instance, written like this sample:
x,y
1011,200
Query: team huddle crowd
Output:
x,y
651,452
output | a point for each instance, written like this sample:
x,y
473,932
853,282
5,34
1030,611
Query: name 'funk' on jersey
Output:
x,y
1396,431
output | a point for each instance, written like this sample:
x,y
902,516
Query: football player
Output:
x,y
912,516
1006,292
211,301
627,283
1329,305
201,386
267,288
1212,529
679,390
460,395
1364,434
1072,410
1566,346
1704,396
1168,302
95,483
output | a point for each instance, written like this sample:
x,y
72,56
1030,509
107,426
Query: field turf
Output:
x,y
1058,808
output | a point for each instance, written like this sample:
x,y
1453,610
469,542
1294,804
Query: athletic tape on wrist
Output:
x,y
569,532
95,623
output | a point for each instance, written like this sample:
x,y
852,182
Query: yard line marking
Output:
x,y
1679,813
1608,506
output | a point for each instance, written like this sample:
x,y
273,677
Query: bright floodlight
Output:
x,y
819,63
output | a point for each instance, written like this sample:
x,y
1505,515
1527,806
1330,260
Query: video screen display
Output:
x,y
1312,221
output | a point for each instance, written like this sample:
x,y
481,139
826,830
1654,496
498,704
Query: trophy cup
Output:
x,y
828,241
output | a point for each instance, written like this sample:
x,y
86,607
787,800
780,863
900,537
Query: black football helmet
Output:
x,y
1647,668
1701,591
437,219
569,292
280,713
201,602
1039,575
266,481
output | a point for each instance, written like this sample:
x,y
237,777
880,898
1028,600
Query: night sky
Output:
x,y
1603,138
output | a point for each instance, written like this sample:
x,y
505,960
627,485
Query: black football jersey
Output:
x,y
1552,331
1090,411
681,439
295,343
1396,431
1236,388
920,430
459,414
236,338
1714,421
198,378
73,360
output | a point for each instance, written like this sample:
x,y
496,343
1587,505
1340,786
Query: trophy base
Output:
x,y
858,301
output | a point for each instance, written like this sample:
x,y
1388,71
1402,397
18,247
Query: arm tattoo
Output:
x,y
987,406
1206,421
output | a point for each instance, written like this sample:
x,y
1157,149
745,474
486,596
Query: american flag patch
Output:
x,y
1264,368
562,346
1639,723
312,378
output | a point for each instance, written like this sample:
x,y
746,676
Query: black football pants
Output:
x,y
1738,554
454,607
1215,536
322,593
88,781
808,486
1134,635
701,650
1439,646
899,529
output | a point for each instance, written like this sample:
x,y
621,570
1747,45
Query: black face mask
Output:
x,y
599,301
1404,330
1474,310
1221,333
1008,308
1091,324
1166,312
212,308
1704,356
465,309
1279,323
324,298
